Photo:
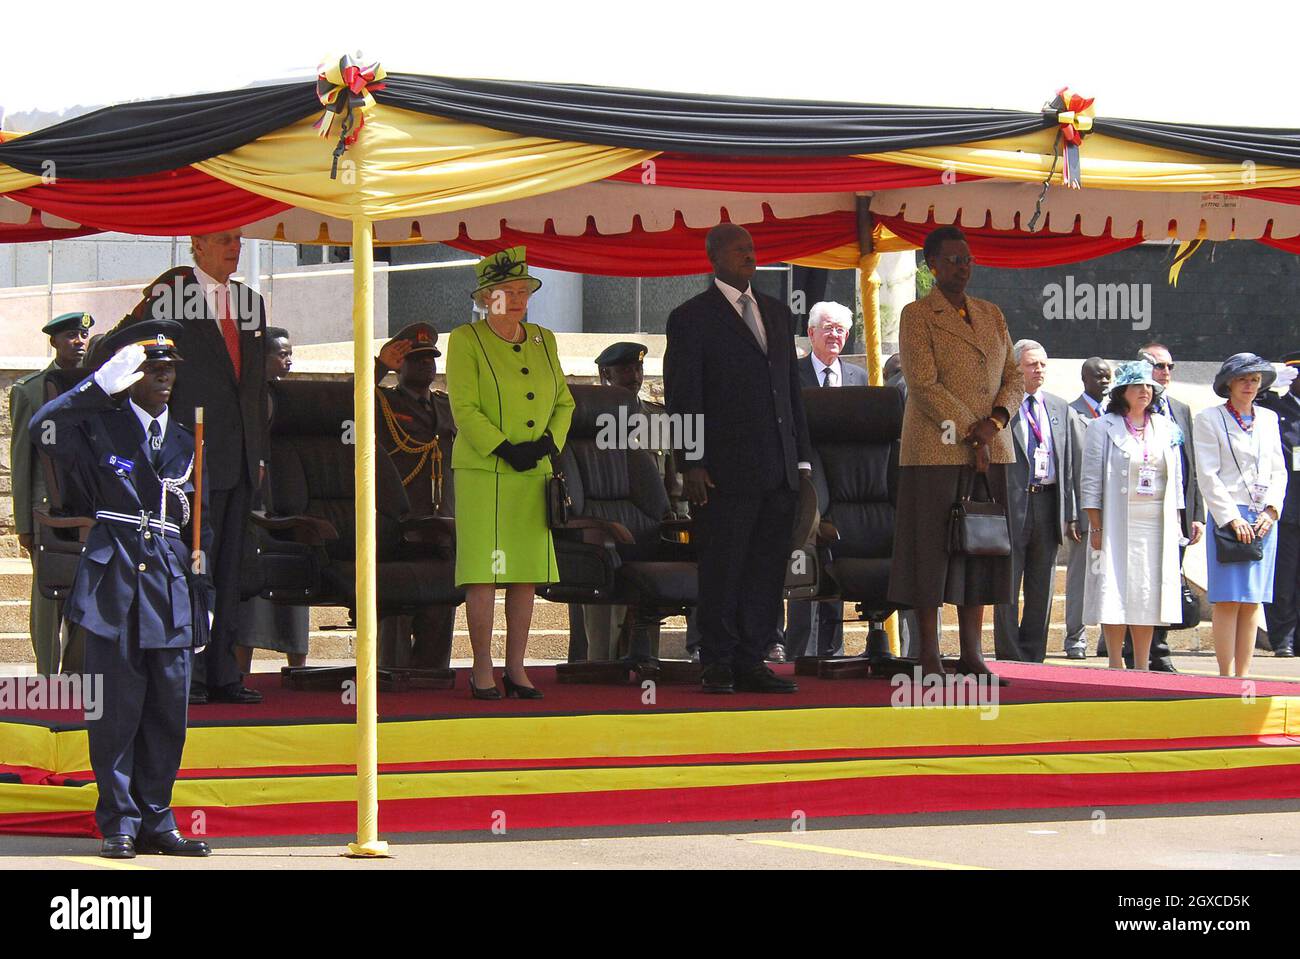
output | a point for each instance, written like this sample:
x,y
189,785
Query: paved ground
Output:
x,y
1257,835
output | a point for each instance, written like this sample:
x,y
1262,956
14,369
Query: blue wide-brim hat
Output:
x,y
1243,364
1135,373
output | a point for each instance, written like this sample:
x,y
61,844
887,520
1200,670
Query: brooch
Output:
x,y
538,339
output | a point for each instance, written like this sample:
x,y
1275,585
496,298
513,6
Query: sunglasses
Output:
x,y
1163,366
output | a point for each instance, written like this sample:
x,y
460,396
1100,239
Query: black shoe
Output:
x,y
1161,666
1076,654
117,847
491,692
718,678
172,843
518,691
775,653
234,693
760,679
1284,653
198,695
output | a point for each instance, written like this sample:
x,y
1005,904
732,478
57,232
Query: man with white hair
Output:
x,y
1041,506
829,327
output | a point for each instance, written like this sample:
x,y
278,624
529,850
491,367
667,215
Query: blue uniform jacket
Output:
x,y
128,564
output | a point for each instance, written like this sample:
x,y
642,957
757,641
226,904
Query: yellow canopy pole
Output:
x,y
869,294
363,323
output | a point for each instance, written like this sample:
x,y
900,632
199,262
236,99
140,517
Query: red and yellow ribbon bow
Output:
x,y
346,88
1074,114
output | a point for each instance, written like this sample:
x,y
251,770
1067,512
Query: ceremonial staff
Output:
x,y
196,529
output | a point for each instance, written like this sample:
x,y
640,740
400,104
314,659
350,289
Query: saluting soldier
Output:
x,y
69,335
141,599
415,426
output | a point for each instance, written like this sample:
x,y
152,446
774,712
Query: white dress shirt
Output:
x,y
819,369
1043,419
145,419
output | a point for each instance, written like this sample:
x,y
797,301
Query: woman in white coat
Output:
x,y
1243,475
1132,489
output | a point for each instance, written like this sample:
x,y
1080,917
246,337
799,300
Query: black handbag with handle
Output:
x,y
557,501
978,527
1191,608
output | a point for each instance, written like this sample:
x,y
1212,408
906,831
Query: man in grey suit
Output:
x,y
1090,405
829,326
1162,371
1041,506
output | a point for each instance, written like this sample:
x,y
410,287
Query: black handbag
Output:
x,y
1229,549
1191,608
557,501
979,527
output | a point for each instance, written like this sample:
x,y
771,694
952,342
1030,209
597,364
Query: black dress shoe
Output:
x,y
234,693
718,678
760,679
172,843
488,692
1161,666
1284,653
117,847
513,689
1076,654
198,695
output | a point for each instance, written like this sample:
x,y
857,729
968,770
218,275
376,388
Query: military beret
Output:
x,y
422,337
616,354
158,337
68,321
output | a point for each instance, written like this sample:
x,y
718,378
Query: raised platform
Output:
x,y
587,756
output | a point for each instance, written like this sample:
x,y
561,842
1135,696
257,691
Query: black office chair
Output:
x,y
855,432
618,548
307,541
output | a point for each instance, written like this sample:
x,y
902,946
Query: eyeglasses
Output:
x,y
958,259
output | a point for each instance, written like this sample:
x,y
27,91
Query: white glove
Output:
x,y
1285,376
122,370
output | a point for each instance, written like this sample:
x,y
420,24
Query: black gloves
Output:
x,y
521,456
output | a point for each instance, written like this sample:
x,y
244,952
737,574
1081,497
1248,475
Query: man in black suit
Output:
x,y
829,327
1281,613
1041,508
225,373
1162,371
730,362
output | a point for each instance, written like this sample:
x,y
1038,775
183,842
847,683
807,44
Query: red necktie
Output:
x,y
229,331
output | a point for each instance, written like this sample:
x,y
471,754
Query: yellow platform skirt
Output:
x,y
502,535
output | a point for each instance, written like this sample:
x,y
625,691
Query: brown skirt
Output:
x,y
923,573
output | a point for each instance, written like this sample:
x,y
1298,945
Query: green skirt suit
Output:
x,y
503,391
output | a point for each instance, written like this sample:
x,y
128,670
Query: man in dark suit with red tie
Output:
x,y
222,338
731,365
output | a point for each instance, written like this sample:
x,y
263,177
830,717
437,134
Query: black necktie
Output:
x,y
827,373
155,444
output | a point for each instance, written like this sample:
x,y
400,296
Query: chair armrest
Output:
x,y
429,529
599,532
827,533
44,517
310,530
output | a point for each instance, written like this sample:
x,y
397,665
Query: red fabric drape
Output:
x,y
1277,194
177,202
33,231
1290,245
779,174
675,252
1017,248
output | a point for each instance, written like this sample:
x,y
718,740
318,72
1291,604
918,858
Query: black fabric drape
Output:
x,y
134,139
696,123
1272,145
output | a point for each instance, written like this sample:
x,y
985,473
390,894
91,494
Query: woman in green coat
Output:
x,y
512,409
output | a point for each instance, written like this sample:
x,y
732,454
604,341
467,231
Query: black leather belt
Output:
x,y
1037,488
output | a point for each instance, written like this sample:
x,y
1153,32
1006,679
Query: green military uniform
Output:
x,y
27,479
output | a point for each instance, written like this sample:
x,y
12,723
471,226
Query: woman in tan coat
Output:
x,y
962,384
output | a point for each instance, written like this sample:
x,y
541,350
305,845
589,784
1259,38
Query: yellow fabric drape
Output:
x,y
846,257
1105,162
408,164
11,179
